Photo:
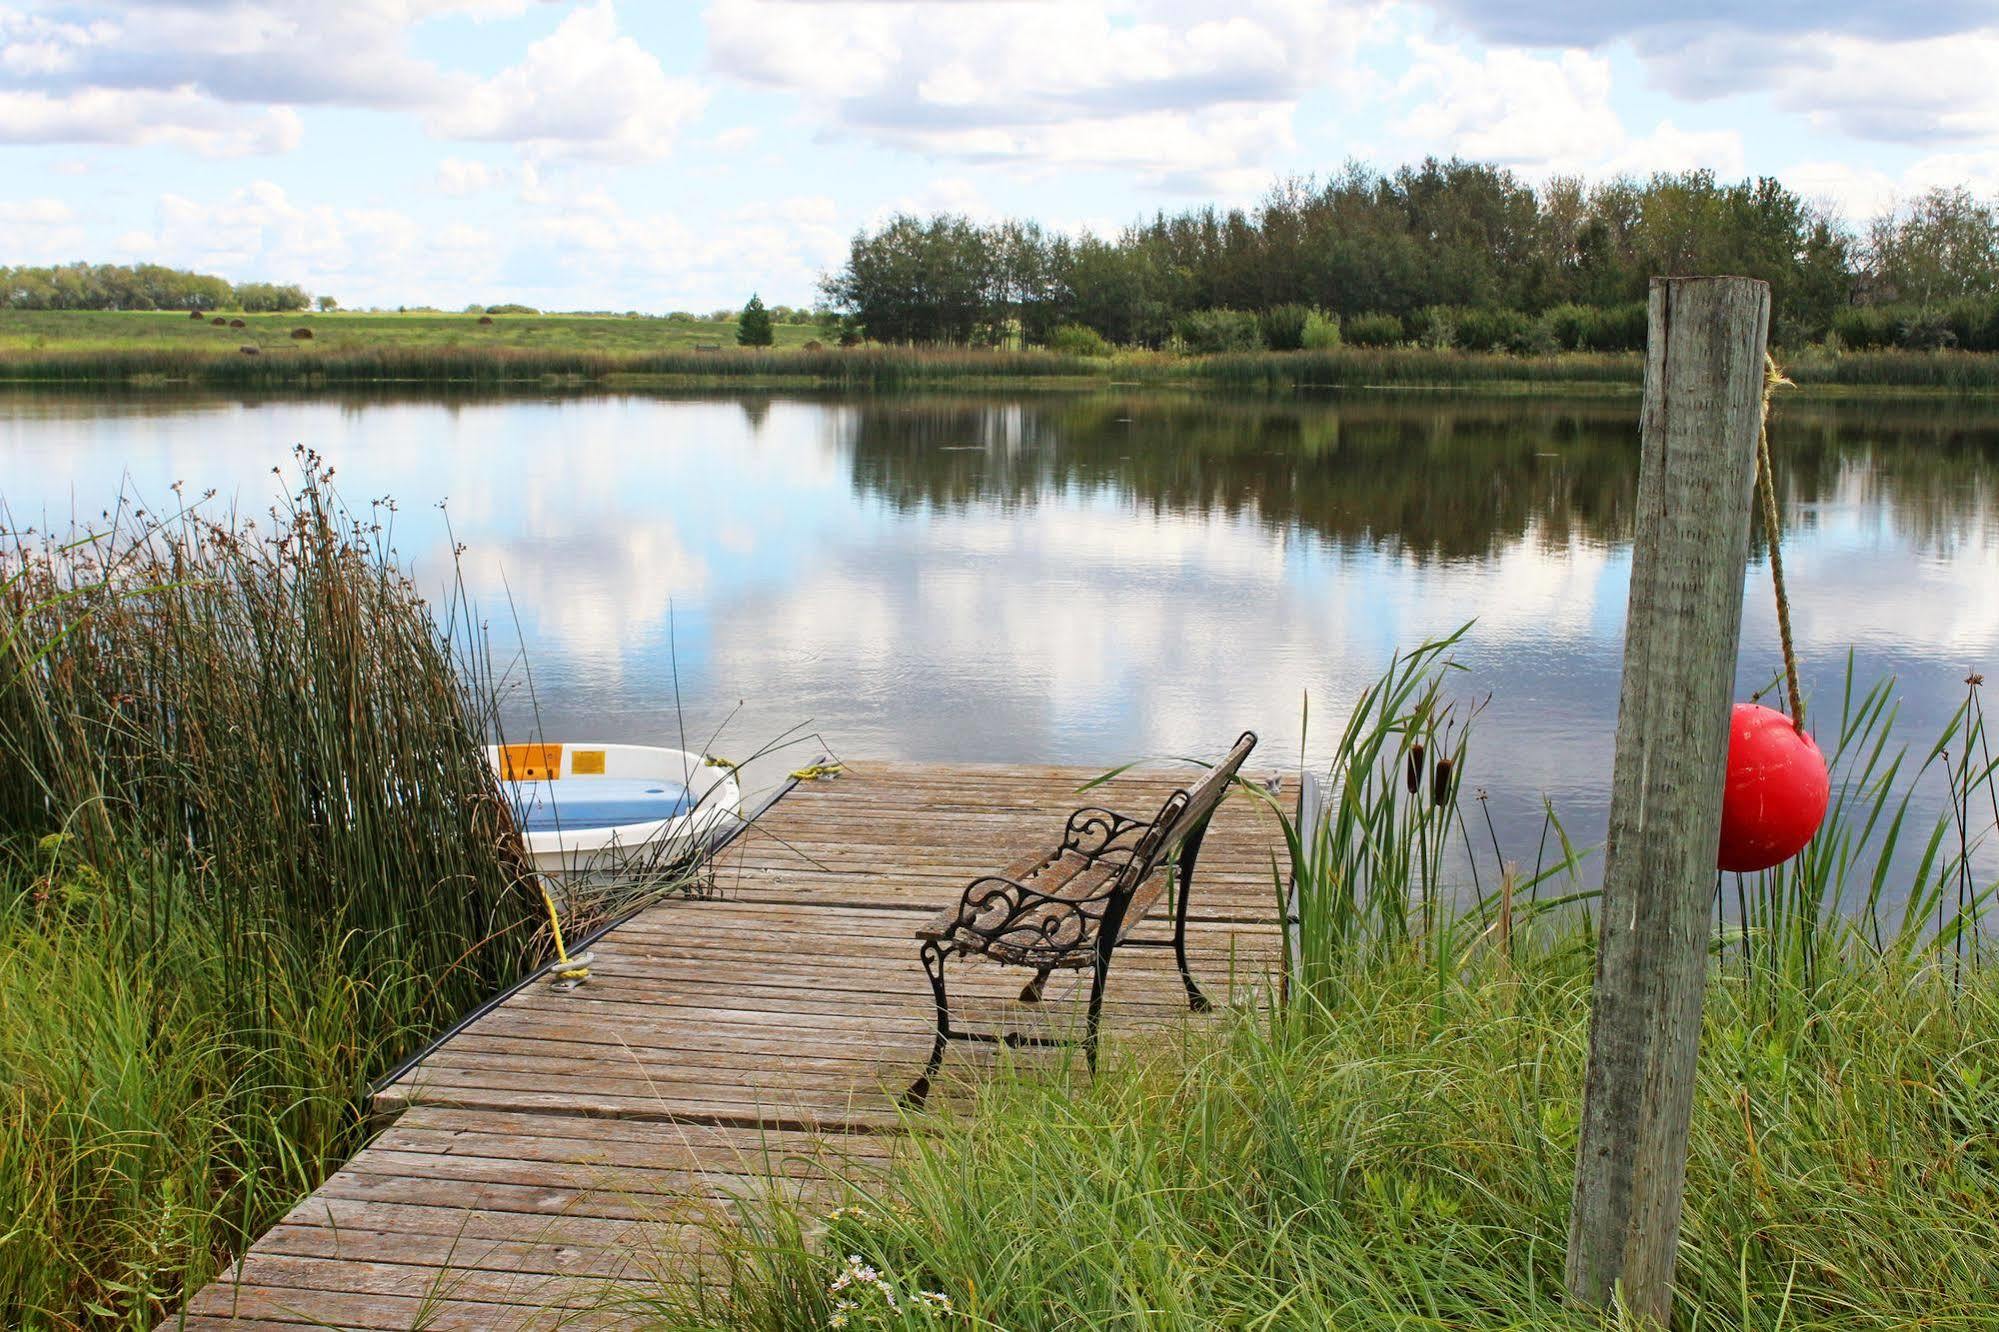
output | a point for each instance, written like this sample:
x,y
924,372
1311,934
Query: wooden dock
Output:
x,y
567,1140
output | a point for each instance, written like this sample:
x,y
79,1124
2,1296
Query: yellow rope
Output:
x,y
814,771
1766,489
564,969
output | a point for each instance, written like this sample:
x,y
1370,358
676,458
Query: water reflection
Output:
x,y
1085,577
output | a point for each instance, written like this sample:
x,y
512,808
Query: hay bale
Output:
x,y
236,323
250,351
195,314
814,345
485,319
219,321
302,334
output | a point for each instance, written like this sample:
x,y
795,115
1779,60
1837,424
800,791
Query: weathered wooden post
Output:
x,y
1703,406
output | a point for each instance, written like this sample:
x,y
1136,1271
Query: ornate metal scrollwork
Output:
x,y
1095,833
1033,926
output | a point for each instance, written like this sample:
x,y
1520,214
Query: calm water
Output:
x,y
1085,579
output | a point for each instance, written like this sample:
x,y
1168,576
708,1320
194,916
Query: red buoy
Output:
x,y
1777,790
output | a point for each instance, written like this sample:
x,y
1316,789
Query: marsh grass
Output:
x,y
1392,1145
251,852
134,349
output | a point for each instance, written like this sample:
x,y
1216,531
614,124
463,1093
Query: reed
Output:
x,y
441,353
1360,367
251,853
294,365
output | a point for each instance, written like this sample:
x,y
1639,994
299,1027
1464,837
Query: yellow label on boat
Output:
x,y
531,763
587,763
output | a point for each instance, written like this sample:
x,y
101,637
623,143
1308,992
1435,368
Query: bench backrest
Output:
x,y
1184,811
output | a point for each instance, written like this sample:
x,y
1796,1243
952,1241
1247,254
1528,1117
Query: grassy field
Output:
x,y
134,349
1393,1148
24,332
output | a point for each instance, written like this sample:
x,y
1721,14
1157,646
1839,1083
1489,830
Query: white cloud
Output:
x,y
1512,106
359,254
1861,193
590,250
458,176
1543,114
276,52
222,77
1164,90
1670,148
183,117
585,90
1930,90
39,229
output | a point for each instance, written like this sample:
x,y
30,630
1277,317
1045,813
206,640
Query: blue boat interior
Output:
x,y
580,804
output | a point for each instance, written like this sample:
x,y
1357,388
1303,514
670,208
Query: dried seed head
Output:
x,y
1415,767
1440,783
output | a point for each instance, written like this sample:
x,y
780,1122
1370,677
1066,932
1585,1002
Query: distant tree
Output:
x,y
270,297
327,305
1943,246
753,326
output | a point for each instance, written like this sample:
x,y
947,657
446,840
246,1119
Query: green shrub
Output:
x,y
1486,328
1284,327
511,309
1078,340
1597,328
1373,330
1322,331
1925,330
1863,328
1434,327
1207,332
1974,323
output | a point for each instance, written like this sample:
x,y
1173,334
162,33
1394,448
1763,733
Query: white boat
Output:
x,y
588,808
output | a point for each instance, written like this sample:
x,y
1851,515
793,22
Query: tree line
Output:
x,y
141,287
1447,253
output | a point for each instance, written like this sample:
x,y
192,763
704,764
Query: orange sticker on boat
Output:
x,y
530,763
587,763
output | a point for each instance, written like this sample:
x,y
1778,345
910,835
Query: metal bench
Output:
x,y
1074,906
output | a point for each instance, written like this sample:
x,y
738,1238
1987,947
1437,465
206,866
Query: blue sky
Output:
x,y
613,154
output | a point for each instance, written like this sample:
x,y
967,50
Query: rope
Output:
x,y
810,772
574,971
1766,489
813,771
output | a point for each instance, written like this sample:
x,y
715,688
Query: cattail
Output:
x,y
1415,767
1440,782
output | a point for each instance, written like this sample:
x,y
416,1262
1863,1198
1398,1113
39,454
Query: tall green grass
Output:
x,y
1391,1145
251,853
455,364
443,358
1361,367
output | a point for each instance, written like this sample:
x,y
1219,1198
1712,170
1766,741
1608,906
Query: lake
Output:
x,y
1085,578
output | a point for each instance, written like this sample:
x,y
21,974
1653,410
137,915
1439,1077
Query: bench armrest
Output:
x,y
1093,832
995,908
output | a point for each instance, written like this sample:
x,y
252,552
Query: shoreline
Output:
x,y
96,351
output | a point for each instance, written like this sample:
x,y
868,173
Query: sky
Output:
x,y
612,154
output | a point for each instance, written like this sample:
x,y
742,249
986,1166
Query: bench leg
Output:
x,y
1030,993
1098,976
1190,851
933,957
